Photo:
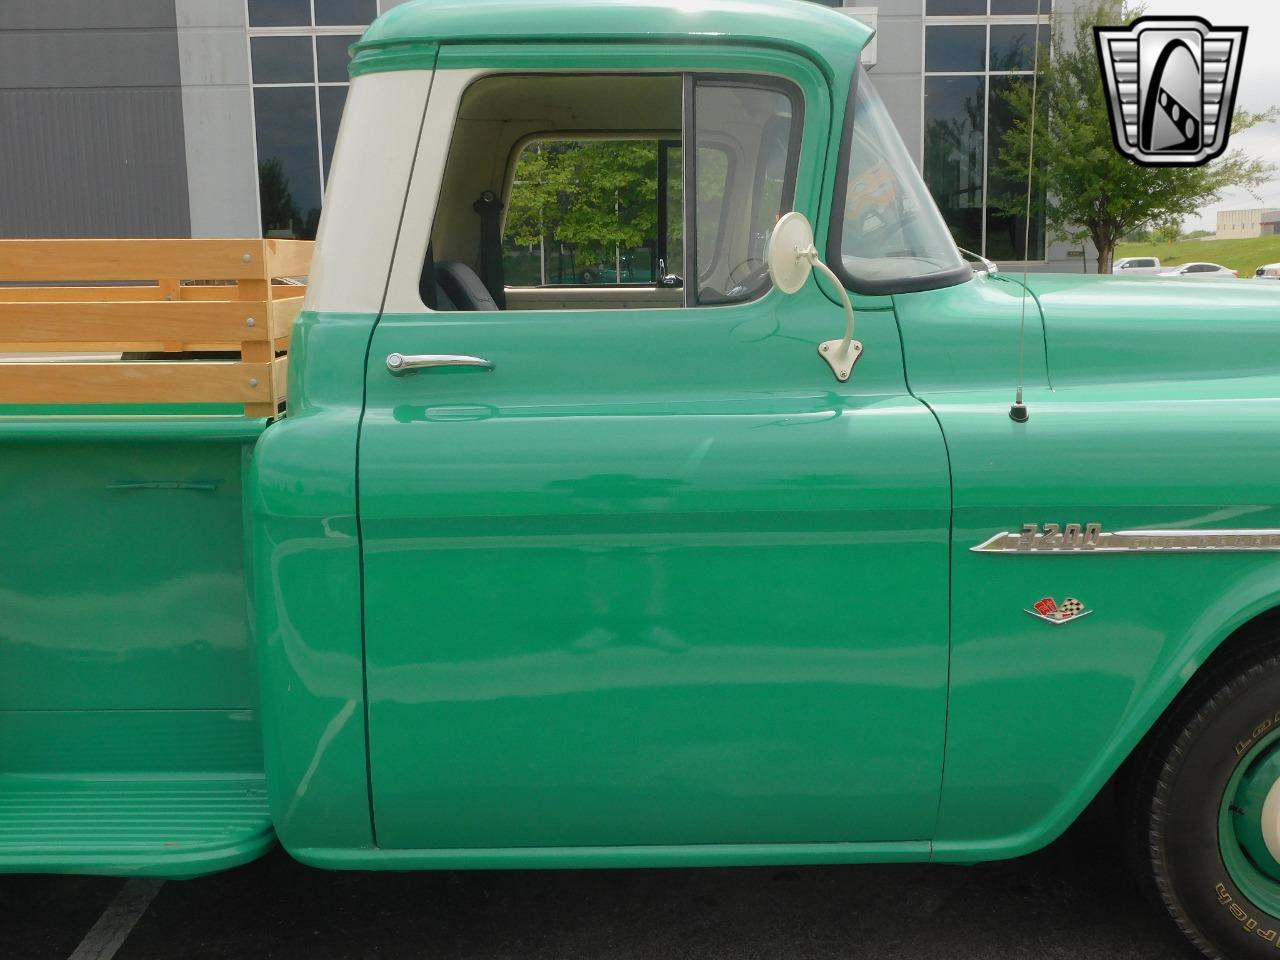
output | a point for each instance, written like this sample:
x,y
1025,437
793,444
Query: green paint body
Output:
x,y
658,591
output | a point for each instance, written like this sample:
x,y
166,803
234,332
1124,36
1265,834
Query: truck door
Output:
x,y
638,570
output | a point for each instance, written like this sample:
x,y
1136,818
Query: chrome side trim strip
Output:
x,y
1073,540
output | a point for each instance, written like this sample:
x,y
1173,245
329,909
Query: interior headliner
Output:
x,y
564,102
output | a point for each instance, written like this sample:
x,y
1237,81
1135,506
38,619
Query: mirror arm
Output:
x,y
841,355
792,256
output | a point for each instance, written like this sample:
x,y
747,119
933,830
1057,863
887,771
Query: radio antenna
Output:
x,y
1018,413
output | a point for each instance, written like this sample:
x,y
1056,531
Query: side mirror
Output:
x,y
792,257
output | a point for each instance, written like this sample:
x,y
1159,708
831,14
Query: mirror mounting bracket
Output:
x,y
840,355
792,257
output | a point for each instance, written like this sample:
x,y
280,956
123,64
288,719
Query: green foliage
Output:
x,y
1167,232
1094,191
279,209
597,195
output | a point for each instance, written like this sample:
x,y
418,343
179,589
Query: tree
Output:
x,y
279,210
1170,231
1093,190
601,196
533,212
610,189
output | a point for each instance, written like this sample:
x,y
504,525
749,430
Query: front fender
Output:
x,y
1041,715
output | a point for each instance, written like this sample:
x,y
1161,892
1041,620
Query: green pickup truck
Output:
x,y
657,575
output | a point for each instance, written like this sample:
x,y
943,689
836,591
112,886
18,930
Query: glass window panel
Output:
x,y
771,184
332,57
713,172
956,8
1017,8
279,13
742,134
332,100
953,153
282,60
955,49
288,161
583,212
675,210
892,230
346,13
1013,45
1006,233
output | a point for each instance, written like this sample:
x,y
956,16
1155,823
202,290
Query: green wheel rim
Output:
x,y
1251,862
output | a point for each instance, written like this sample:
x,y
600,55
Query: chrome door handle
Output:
x,y
399,364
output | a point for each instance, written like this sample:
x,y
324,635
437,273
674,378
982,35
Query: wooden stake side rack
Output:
x,y
149,296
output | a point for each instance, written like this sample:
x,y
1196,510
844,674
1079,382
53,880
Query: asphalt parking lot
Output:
x,y
1072,900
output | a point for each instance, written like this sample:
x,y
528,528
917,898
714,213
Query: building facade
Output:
x,y
1246,224
214,118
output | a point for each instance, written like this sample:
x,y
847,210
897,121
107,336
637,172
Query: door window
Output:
x,y
743,176
591,191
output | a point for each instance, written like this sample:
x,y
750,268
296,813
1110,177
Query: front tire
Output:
x,y
1205,810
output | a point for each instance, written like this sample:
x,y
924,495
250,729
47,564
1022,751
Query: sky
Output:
x,y
1259,88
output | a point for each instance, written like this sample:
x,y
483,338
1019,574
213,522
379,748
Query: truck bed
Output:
x,y
129,740
129,732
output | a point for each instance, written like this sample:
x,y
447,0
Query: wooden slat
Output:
x,y
150,382
153,309
283,314
280,375
226,291
69,260
206,292
288,258
80,294
127,323
140,346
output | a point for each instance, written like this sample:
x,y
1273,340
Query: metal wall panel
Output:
x,y
85,14
222,167
91,109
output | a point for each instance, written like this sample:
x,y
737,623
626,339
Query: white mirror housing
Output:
x,y
792,257
789,267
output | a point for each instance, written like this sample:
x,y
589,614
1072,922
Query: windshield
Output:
x,y
893,239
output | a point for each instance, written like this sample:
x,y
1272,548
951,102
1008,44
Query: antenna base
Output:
x,y
1018,413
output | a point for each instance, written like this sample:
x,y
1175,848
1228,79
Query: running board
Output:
x,y
132,825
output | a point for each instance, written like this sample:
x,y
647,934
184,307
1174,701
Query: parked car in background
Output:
x,y
1202,271
1268,271
1137,266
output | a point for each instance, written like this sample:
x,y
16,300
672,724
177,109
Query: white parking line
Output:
x,y
117,921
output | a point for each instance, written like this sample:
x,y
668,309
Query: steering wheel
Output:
x,y
750,283
746,263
